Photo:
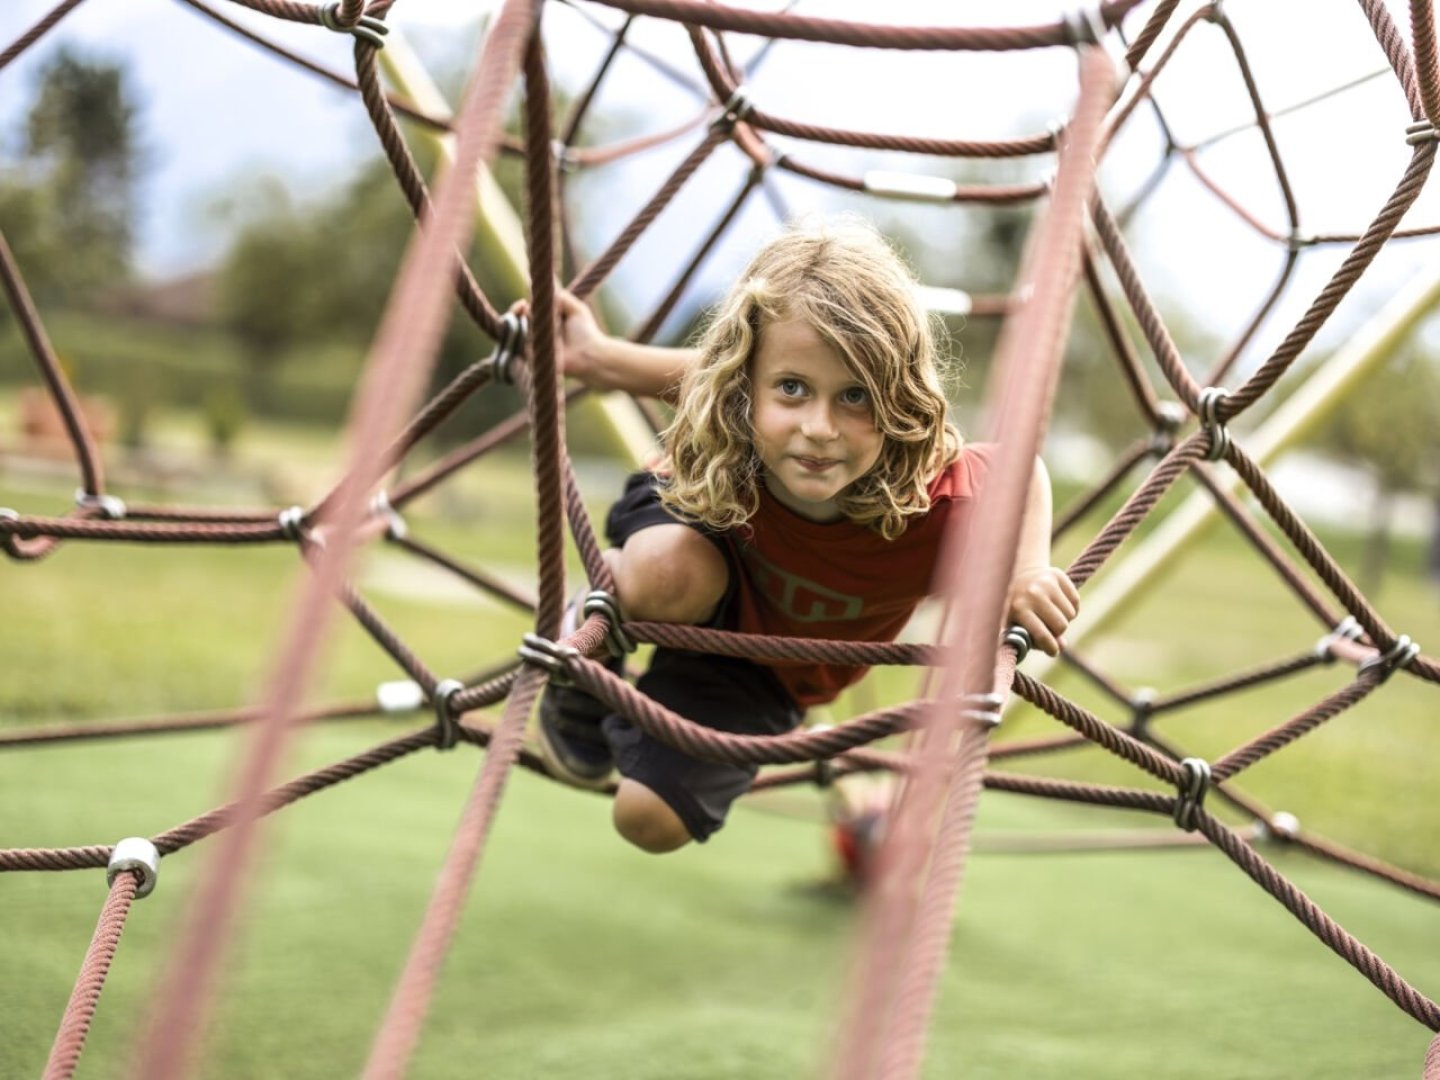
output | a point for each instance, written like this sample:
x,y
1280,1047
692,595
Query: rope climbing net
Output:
x,y
946,752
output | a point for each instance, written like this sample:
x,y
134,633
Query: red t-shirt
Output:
x,y
843,581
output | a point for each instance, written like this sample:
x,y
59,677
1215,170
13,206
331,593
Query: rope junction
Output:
x,y
945,757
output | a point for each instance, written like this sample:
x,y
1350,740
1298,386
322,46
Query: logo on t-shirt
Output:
x,y
800,599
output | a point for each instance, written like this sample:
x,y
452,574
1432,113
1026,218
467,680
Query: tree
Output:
x,y
74,198
1387,427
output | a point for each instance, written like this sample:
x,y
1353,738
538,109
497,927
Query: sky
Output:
x,y
219,115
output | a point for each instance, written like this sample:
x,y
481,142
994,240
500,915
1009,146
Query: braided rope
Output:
x,y
907,989
85,998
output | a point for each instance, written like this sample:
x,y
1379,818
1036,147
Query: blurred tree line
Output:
x,y
301,289
1387,427
68,201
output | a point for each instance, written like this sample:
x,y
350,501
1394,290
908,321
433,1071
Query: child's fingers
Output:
x,y
1040,635
1045,620
1067,587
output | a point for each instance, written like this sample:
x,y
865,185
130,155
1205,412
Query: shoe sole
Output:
x,y
556,764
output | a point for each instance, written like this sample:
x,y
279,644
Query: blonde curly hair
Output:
x,y
845,281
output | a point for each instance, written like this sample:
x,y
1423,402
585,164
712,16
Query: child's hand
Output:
x,y
580,348
1044,601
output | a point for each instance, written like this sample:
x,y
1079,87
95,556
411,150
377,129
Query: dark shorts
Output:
x,y
721,692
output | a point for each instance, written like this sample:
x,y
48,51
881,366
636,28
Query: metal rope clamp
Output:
x,y
8,540
1282,825
1421,131
1392,659
599,602
111,507
368,28
565,159
395,527
1210,399
983,709
514,329
1347,629
447,724
291,522
140,855
1193,786
1086,26
1018,638
1142,710
552,656
824,767
736,108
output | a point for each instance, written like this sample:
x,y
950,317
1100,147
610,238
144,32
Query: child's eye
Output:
x,y
855,396
790,387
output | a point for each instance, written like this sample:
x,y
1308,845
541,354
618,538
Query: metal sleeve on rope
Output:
x,y
1142,710
368,28
1282,825
736,108
599,602
910,186
395,526
983,708
7,540
547,654
400,695
1347,629
446,722
1193,787
111,507
514,329
291,520
1018,638
824,767
565,159
1084,26
1210,399
1421,131
1392,659
1169,415
138,854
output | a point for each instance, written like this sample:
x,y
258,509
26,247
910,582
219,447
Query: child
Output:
x,y
809,477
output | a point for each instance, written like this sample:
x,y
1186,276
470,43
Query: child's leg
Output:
x,y
667,797
666,573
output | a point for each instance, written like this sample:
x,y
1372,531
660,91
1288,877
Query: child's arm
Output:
x,y
1042,597
603,362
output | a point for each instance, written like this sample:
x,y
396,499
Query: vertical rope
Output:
x,y
85,997
399,1031
399,363
901,921
64,397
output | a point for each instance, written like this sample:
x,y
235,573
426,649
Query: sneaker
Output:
x,y
571,741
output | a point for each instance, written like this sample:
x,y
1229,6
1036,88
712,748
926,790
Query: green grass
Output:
x,y
578,957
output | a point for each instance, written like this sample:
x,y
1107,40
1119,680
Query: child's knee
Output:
x,y
646,820
669,573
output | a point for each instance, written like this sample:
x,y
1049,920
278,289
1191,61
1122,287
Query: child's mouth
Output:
x,y
816,464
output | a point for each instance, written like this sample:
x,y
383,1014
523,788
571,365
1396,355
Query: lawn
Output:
x,y
580,958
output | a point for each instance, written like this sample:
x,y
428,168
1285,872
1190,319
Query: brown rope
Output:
x,y
86,455
36,32
918,934
869,35
85,998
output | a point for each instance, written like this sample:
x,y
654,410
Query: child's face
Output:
x,y
813,422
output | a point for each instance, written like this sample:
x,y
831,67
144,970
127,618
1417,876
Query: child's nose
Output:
x,y
818,423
